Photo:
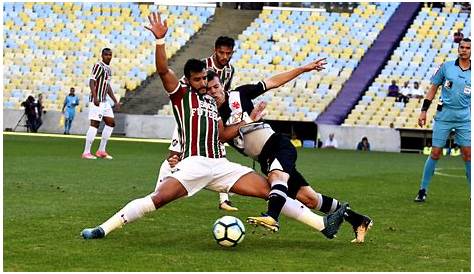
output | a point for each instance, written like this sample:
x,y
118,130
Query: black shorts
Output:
x,y
279,147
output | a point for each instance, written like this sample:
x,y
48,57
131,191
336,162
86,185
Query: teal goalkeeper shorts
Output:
x,y
441,130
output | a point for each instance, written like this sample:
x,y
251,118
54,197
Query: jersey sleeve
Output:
x,y
175,143
97,70
438,77
253,91
228,85
177,94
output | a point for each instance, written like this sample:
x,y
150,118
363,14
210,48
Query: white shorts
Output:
x,y
165,171
96,113
198,172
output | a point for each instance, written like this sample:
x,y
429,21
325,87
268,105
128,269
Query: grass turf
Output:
x,y
50,195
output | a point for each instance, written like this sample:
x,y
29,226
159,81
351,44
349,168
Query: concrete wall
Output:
x,y
380,139
148,126
138,126
161,127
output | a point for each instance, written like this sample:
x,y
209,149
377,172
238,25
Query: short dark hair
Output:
x,y
466,40
105,49
224,41
211,75
193,65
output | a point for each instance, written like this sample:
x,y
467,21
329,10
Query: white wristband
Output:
x,y
160,41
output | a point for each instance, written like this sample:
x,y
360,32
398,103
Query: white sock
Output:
x,y
298,211
129,213
91,132
320,201
105,137
223,197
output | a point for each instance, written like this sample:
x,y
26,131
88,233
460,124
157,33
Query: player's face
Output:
x,y
216,91
107,56
223,55
464,50
71,91
198,81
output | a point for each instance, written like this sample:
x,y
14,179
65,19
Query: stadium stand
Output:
x,y
281,39
50,47
427,44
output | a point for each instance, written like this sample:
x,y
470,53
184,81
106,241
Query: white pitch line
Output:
x,y
164,141
448,175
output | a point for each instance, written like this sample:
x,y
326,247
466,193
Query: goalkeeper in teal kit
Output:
x,y
453,112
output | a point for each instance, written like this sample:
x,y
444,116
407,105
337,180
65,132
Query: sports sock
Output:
x,y
468,173
129,213
91,132
298,211
428,172
277,198
105,137
328,204
223,197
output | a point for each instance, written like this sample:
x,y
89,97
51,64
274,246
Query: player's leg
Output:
x,y
170,190
298,187
441,132
225,203
463,139
90,135
106,132
252,184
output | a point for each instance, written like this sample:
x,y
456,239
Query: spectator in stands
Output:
x,y
458,36
404,91
393,90
31,113
416,92
363,144
295,141
330,142
70,103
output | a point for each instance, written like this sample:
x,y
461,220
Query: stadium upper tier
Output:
x,y
279,40
50,47
427,44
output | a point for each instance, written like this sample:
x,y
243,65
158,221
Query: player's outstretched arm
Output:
x,y
284,77
159,29
426,104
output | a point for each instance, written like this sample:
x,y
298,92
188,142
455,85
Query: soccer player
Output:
x,y
99,109
274,152
69,109
203,165
453,113
219,61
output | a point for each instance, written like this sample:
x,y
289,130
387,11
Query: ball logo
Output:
x,y
174,142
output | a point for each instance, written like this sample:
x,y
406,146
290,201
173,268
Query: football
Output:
x,y
228,231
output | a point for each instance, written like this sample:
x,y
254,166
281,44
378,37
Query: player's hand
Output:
x,y
96,102
422,119
117,106
258,111
316,65
173,161
157,27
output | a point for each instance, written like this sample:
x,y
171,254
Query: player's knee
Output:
x,y
95,124
436,153
157,199
278,175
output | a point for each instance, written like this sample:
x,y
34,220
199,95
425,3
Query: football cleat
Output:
x,y
103,155
421,196
227,205
88,156
266,221
333,221
361,230
93,233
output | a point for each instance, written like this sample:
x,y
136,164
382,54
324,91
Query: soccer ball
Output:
x,y
228,231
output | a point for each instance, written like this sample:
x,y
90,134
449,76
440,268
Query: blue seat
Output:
x,y
308,144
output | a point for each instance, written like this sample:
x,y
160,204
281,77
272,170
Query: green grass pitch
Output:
x,y
50,195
